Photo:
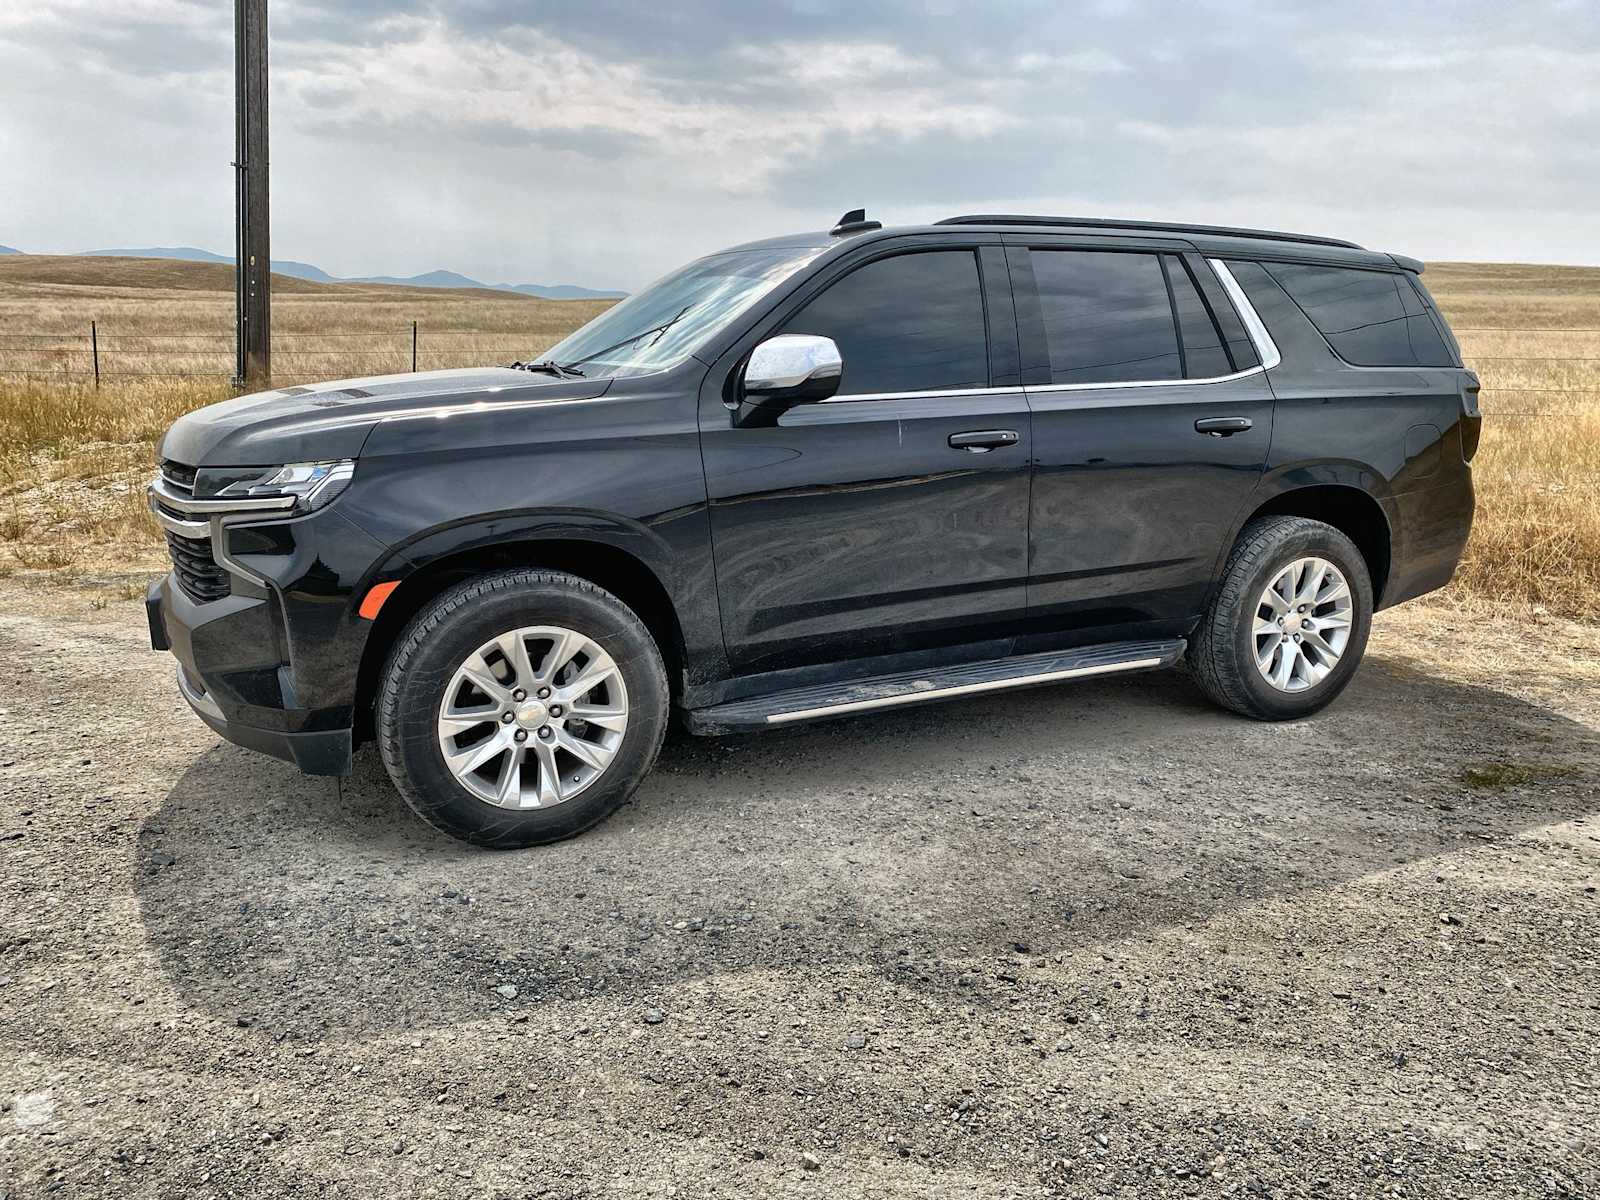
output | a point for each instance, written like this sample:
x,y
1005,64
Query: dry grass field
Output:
x,y
74,459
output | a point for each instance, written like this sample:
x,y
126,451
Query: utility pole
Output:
x,y
252,251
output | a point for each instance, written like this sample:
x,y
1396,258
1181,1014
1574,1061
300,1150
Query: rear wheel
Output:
x,y
1287,627
521,708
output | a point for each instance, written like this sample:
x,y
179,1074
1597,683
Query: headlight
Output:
x,y
312,484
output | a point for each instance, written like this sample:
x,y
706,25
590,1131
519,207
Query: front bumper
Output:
x,y
314,751
273,664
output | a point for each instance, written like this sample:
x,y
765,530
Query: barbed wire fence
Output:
x,y
102,356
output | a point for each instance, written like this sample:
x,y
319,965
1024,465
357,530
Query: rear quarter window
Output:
x,y
1364,315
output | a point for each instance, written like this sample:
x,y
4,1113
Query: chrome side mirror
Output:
x,y
792,367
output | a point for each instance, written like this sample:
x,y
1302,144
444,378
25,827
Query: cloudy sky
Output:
x,y
602,141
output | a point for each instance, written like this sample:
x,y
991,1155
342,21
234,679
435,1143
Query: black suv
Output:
x,y
820,475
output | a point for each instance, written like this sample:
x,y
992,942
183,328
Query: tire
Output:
x,y
515,806
1222,654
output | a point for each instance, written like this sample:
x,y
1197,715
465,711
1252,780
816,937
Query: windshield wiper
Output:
x,y
550,366
658,330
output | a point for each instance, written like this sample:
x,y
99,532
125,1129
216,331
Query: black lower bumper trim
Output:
x,y
158,623
323,752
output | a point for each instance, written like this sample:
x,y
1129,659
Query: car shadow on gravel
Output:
x,y
913,844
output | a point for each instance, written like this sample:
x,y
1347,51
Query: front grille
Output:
x,y
196,571
179,476
177,480
193,565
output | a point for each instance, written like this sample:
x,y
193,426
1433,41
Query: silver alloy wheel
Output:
x,y
1302,624
533,717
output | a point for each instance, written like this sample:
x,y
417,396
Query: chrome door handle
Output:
x,y
1223,426
980,441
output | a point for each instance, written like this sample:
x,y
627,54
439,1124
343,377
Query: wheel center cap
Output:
x,y
533,714
1293,623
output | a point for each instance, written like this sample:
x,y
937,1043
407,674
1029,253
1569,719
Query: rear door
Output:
x,y
1152,422
893,516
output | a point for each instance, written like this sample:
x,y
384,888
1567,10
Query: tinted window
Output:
x,y
1107,318
1203,355
913,323
1240,348
666,322
1447,353
1363,314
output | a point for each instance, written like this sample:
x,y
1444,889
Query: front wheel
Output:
x,y
1288,625
521,708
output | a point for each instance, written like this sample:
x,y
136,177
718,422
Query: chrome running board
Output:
x,y
822,701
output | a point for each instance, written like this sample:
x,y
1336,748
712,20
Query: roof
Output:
x,y
1098,223
1222,240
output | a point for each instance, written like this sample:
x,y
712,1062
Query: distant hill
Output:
x,y
452,279
98,273
280,266
559,291
9,250
300,270
440,279
103,271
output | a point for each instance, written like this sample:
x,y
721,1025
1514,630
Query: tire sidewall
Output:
x,y
416,682
1318,542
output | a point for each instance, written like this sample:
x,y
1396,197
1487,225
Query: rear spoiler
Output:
x,y
1407,264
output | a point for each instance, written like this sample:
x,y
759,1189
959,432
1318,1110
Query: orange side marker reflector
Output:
x,y
375,598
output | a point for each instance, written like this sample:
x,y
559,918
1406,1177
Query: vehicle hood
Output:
x,y
333,420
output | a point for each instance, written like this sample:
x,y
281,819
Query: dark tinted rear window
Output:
x,y
1203,355
1363,314
1107,318
913,323
1440,325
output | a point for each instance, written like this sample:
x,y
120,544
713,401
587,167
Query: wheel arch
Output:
x,y
1349,508
620,571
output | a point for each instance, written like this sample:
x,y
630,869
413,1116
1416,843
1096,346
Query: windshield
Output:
x,y
664,324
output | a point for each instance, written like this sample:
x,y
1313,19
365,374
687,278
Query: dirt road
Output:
x,y
1095,939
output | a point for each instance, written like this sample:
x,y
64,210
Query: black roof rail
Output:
x,y
1154,226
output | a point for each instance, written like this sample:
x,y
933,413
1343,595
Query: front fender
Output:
x,y
514,526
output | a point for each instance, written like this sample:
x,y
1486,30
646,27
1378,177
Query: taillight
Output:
x,y
1471,415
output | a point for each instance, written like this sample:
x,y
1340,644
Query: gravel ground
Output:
x,y
1088,940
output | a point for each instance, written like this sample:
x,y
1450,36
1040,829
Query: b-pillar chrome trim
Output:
x,y
1253,324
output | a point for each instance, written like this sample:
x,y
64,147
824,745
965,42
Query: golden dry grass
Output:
x,y
1533,334
73,460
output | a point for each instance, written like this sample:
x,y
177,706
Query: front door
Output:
x,y
892,516
1152,421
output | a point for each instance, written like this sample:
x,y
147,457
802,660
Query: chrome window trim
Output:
x,y
982,391
1266,349
1047,387
1141,383
1253,324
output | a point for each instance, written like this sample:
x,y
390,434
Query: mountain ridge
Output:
x,y
302,270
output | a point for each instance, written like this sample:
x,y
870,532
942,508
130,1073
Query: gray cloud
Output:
x,y
603,142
